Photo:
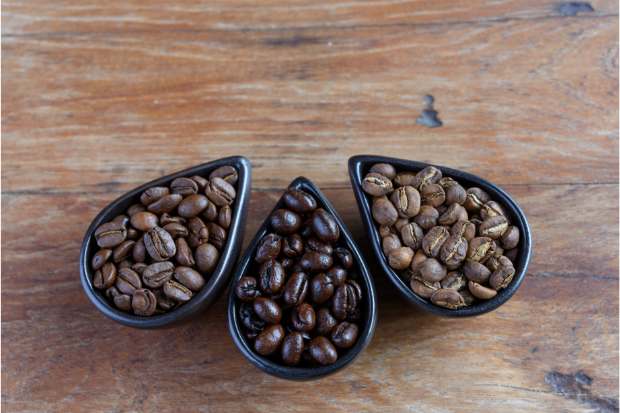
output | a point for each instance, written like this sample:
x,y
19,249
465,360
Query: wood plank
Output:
x,y
88,107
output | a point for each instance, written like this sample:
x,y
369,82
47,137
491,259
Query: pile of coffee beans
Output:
x,y
453,245
300,303
157,255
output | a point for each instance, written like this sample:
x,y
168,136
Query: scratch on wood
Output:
x,y
294,41
429,116
572,8
577,387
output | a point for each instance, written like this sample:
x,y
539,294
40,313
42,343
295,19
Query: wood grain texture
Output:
x,y
93,93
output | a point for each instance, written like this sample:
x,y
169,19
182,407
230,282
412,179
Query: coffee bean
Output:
x,y
246,289
144,220
321,288
299,201
250,320
431,270
292,347
407,201
105,277
127,281
480,291
384,169
476,198
454,213
427,217
503,274
432,194
143,302
167,203
303,318
455,193
337,274
511,254
405,178
480,249
176,230
177,291
134,209
184,254
268,248
271,277
285,222
100,258
110,234
220,192
385,230
189,278
313,261
121,219
491,209
211,213
323,351
390,243
423,288
324,226
153,194
400,223
133,234
112,292
313,244
434,240
474,271
159,244
139,268
376,184
122,302
510,238
207,257
454,280
224,216
383,211
269,340
346,300
400,258
192,205
412,235
453,251
418,258
428,175
166,219
268,310
292,246
344,335
123,251
227,173
448,298
184,186
198,232
163,303
493,227
295,289
463,229
325,322
201,182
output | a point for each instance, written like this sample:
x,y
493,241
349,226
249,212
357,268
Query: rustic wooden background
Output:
x,y
100,96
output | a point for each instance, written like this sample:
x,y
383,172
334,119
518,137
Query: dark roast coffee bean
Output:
x,y
303,317
153,194
177,291
434,240
510,238
344,335
313,244
428,175
346,300
480,249
217,235
159,244
268,310
448,298
220,192
321,288
384,169
246,289
177,230
250,320
412,235
269,340
344,256
101,257
123,251
284,222
476,198
227,173
143,302
324,226
475,271
127,281
184,186
325,322
454,213
166,219
400,258
192,205
454,280
198,232
407,201
207,257
268,248
323,351
383,211
455,193
295,289
224,216
288,264
271,277
200,181
292,347
166,203
337,274
184,254
105,277
189,278
432,194
423,288
144,220
503,275
480,291
491,209
110,234
431,270
427,217
313,261
134,209
376,184
463,229
292,246
453,251
122,302
299,201
493,227
405,178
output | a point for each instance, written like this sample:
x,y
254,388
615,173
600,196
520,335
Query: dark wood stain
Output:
x,y
577,387
573,8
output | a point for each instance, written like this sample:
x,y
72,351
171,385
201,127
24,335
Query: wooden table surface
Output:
x,y
98,97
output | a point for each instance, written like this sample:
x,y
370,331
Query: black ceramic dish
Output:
x,y
359,166
222,272
369,310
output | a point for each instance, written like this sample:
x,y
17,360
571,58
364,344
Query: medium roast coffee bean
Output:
x,y
407,201
144,221
166,219
184,186
269,340
323,351
344,335
303,317
189,278
153,194
325,226
123,251
211,213
167,203
105,277
100,258
156,274
177,291
271,277
110,234
143,302
201,182
224,216
295,289
299,201
292,347
134,209
127,281
192,205
285,222
176,230
376,184
159,244
207,257
268,310
268,248
383,211
122,302
184,254
217,235
227,173
384,169
220,192
198,232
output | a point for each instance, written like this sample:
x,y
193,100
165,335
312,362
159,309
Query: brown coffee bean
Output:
x,y
463,229
134,209
344,256
139,267
324,226
268,248
423,288
199,233
400,258
285,222
184,254
390,243
153,194
476,198
200,181
338,275
385,230
295,289
503,274
100,257
159,244
454,213
133,234
384,169
127,281
428,175
156,274
271,277
207,257
189,278
269,340
166,219
346,300
110,234
412,235
246,289
325,322
434,240
406,199
467,296
427,217
510,238
313,244
177,230
224,216
227,173
480,249
344,335
166,203
491,209
313,261
292,246
418,258
511,254
493,227
267,310
323,351
220,192
122,302
321,288
184,186
455,193
303,318
299,201
453,251
431,270
448,298
455,280
474,271
123,251
192,205
210,213
143,302
376,184
405,178
479,291
432,194
105,277
144,220
292,347
177,291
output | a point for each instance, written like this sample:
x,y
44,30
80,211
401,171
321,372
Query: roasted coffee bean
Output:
x,y
110,234
344,335
337,274
177,230
384,169
112,292
427,217
184,254
166,219
463,229
288,263
201,182
177,291
192,205
105,277
246,289
295,289
480,249
313,261
268,248
428,175
441,209
407,201
271,277
217,235
163,303
474,271
344,256
324,226
383,211
206,257
153,194
376,184
493,227
284,221
184,186
476,198
293,246
510,238
127,281
123,251
303,318
134,209
144,220
390,243
400,258
268,310
220,192
455,193
418,258
423,288
400,223
198,232
100,257
313,244
127,263
321,288
292,347
503,274
325,322
167,203
385,230
511,254
224,216
133,234
454,213
139,268
491,209
453,251
405,178
122,302
143,302
432,194
189,278
431,270
412,235
454,280
250,321
346,300
323,351
159,244
306,229
480,291
210,213
227,173
448,298
269,340
299,201
467,296
434,240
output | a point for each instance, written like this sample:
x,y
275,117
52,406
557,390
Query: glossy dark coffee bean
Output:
x,y
159,244
184,186
284,221
293,246
323,351
325,321
338,275
346,301
324,226
303,317
384,169
105,277
101,257
207,257
269,340
313,261
224,217
299,201
295,289
220,192
110,234
313,244
271,277
292,347
321,288
127,281
177,291
253,325
268,248
427,217
267,310
344,257
153,194
217,235
156,274
198,232
376,184
288,264
189,278
143,302
344,335
246,289
167,203
123,251
227,173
